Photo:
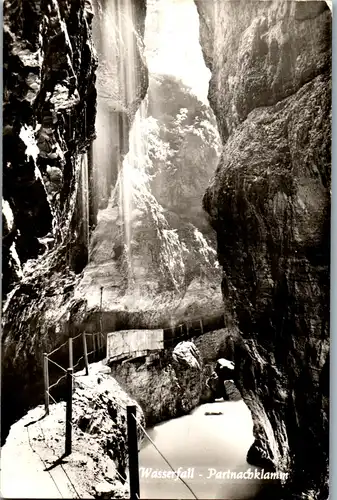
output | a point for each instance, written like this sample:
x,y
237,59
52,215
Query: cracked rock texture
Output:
x,y
48,118
269,202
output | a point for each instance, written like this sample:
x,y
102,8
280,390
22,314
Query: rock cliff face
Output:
x,y
122,82
269,203
49,118
49,115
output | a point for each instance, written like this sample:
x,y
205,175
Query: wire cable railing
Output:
x,y
56,364
69,374
59,380
52,397
58,348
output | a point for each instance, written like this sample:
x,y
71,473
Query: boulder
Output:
x,y
186,354
167,385
224,369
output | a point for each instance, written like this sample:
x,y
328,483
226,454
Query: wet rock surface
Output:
x,y
177,275
122,82
269,202
49,117
272,51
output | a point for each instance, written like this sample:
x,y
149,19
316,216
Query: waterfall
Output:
x,y
132,180
84,189
118,94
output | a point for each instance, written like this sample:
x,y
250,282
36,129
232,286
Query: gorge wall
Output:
x,y
269,203
49,123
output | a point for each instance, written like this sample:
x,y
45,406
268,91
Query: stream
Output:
x,y
207,448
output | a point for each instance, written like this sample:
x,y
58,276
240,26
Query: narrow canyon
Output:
x,y
167,175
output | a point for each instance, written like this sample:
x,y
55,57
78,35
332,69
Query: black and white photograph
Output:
x,y
166,249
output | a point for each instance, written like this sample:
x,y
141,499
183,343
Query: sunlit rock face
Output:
x,y
11,265
153,250
269,203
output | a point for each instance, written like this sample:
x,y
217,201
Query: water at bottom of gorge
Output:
x,y
208,451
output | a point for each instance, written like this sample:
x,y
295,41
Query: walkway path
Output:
x,y
29,458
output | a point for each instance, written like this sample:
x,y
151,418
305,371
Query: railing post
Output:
x,y
173,336
201,327
71,361
69,410
133,452
97,346
106,346
46,382
85,353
